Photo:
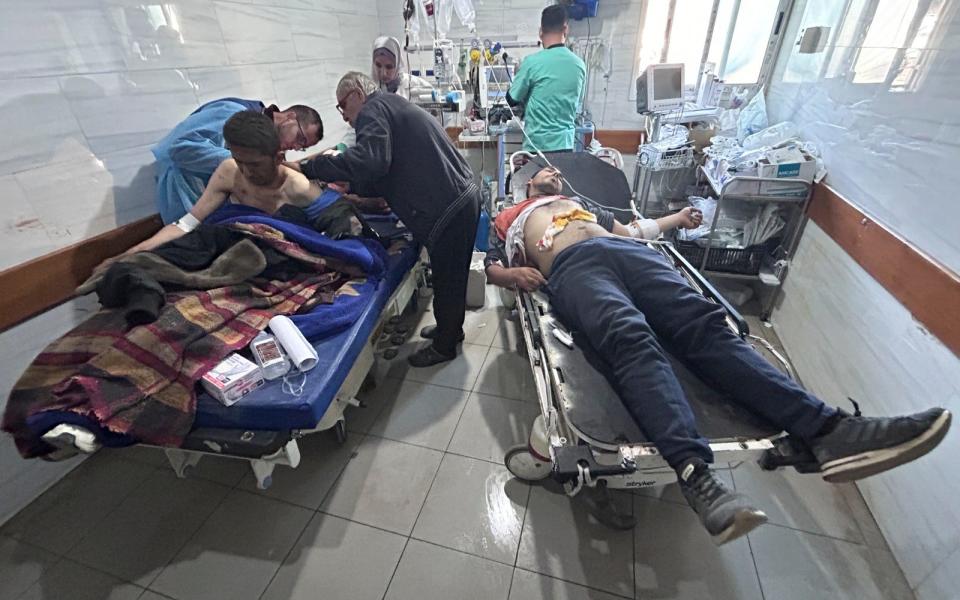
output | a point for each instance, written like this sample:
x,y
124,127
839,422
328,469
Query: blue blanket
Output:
x,y
326,319
369,255
325,199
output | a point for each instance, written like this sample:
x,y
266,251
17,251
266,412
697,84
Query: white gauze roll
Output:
x,y
302,354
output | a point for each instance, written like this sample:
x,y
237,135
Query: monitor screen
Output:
x,y
668,83
494,83
499,74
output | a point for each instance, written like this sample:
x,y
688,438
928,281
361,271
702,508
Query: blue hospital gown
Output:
x,y
188,155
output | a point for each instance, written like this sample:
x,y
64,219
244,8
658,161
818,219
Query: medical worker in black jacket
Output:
x,y
406,156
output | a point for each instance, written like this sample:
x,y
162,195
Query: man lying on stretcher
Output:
x,y
630,304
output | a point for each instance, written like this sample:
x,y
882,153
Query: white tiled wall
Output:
x,y
881,102
848,337
87,86
611,101
888,131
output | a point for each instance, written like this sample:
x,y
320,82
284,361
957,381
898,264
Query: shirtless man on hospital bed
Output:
x,y
630,304
255,176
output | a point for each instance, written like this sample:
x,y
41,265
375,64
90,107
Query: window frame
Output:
x,y
771,50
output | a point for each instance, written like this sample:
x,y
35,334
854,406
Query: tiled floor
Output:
x,y
417,505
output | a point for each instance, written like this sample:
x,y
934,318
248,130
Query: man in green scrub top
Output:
x,y
549,85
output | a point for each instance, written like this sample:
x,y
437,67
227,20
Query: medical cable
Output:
x,y
585,93
409,77
513,117
483,154
770,348
540,152
288,387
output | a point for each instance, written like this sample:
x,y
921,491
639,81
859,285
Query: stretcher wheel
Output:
x,y
523,465
340,430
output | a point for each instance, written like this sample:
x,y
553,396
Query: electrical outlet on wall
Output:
x,y
813,39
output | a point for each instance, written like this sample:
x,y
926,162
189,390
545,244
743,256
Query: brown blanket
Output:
x,y
239,263
140,382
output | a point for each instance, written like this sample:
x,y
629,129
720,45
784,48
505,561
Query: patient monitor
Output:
x,y
494,82
660,87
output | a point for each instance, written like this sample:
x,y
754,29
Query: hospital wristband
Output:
x,y
187,223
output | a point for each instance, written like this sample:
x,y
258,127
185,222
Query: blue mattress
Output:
x,y
269,408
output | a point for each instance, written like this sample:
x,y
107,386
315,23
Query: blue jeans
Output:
x,y
629,303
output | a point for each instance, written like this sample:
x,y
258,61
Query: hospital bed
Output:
x,y
263,427
584,435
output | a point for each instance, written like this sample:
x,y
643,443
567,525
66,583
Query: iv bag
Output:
x,y
415,22
466,14
443,13
434,18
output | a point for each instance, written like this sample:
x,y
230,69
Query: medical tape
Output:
x,y
187,223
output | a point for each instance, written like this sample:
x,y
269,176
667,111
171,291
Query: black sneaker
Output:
x,y
725,514
428,356
856,447
430,331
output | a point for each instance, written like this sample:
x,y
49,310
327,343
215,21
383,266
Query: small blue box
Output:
x,y
581,9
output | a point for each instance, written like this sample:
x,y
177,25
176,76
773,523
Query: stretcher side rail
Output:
x,y
536,355
640,465
706,288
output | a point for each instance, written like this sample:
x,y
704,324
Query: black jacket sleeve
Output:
x,y
363,163
497,254
605,218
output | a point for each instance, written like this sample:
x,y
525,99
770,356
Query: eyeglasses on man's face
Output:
x,y
302,141
342,104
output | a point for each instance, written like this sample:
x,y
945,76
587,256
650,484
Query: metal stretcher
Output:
x,y
263,427
584,435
